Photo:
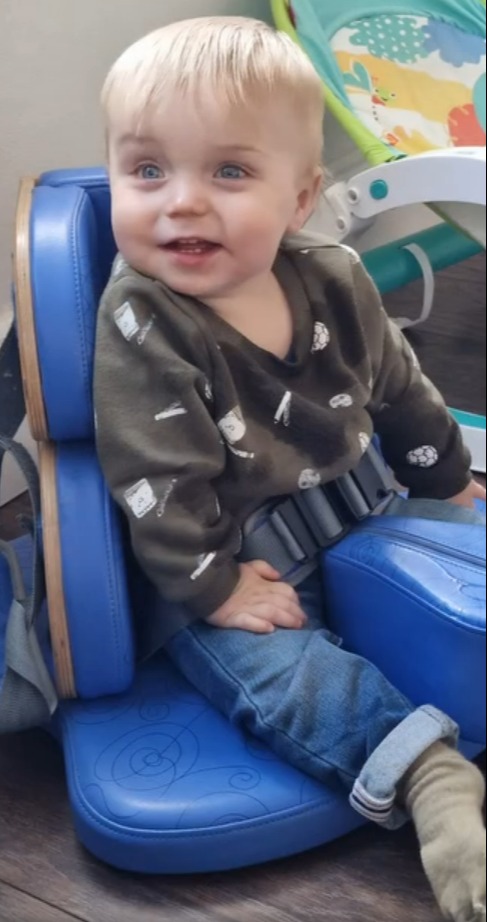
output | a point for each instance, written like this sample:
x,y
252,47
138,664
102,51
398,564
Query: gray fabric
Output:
x,y
27,697
27,694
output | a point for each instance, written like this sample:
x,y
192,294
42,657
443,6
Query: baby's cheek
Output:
x,y
131,234
122,230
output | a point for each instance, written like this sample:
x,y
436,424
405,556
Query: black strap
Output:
x,y
12,407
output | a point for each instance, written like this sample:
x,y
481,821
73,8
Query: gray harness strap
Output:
x,y
27,694
290,533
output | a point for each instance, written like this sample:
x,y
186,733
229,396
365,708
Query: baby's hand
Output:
x,y
467,498
260,602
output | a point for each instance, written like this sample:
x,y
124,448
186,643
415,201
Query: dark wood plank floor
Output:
x,y
16,905
451,345
371,876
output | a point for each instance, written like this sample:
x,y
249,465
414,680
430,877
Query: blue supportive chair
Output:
x,y
160,782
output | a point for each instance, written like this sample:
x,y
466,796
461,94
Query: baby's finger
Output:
x,y
285,615
283,595
265,570
285,591
279,601
246,621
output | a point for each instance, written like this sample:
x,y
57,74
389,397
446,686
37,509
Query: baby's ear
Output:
x,y
307,199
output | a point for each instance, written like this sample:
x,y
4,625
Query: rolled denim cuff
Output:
x,y
374,794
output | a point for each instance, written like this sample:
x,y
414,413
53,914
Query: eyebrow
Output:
x,y
135,139
241,148
142,141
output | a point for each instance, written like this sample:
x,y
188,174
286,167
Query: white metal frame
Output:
x,y
452,182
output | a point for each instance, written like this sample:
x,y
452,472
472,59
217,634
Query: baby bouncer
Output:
x,y
406,79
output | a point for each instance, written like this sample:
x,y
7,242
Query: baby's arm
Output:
x,y
468,496
161,450
419,438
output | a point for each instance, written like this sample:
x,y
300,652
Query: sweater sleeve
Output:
x,y
420,440
160,449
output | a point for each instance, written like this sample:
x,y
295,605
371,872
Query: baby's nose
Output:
x,y
187,196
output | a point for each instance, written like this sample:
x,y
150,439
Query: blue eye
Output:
x,y
150,172
231,171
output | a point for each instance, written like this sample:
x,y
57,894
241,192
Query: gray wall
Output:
x,y
54,55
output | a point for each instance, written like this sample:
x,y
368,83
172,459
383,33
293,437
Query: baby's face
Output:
x,y
204,195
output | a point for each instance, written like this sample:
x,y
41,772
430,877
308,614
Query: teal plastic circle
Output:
x,y
379,190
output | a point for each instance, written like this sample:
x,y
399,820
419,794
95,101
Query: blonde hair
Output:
x,y
242,59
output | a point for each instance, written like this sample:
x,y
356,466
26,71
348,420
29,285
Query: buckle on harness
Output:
x,y
290,533
366,488
307,522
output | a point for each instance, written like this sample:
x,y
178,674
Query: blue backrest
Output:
x,y
71,251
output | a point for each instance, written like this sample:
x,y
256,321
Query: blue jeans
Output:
x,y
326,711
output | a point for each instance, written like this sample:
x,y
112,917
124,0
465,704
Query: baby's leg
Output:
x,y
337,718
445,796
320,708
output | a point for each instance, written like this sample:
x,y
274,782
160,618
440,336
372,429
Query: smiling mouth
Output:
x,y
193,246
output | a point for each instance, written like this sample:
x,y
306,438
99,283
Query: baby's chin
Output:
x,y
178,282
184,287
191,291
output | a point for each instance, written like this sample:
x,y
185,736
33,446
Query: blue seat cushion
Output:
x,y
409,595
160,782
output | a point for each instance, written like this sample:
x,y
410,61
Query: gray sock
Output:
x,y
444,795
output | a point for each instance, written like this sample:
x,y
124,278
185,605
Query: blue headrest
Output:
x,y
72,249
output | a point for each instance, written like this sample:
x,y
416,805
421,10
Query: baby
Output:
x,y
239,361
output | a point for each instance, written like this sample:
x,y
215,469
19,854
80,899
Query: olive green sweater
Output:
x,y
197,426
